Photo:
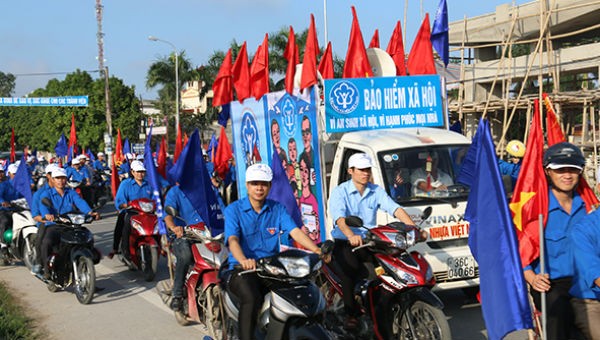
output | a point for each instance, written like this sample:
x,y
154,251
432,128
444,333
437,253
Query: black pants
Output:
x,y
38,243
122,232
350,268
88,193
560,317
51,239
250,290
5,222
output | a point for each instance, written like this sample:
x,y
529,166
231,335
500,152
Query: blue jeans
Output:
x,y
183,252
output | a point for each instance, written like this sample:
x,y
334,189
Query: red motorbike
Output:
x,y
202,290
144,239
396,301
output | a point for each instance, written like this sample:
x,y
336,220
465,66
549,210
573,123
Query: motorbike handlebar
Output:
x,y
365,245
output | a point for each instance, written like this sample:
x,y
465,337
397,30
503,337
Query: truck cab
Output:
x,y
418,168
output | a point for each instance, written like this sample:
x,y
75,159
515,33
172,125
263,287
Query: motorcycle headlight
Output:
x,y
274,270
147,207
77,219
400,241
137,226
296,266
400,274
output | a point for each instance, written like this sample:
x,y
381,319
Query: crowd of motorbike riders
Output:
x,y
253,225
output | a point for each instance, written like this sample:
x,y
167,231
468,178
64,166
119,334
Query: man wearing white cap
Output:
x,y
125,168
100,163
37,215
63,199
357,197
130,189
7,194
252,229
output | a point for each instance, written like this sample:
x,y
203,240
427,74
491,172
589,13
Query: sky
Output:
x,y
41,40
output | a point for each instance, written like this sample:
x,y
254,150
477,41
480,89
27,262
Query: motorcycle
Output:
x,y
72,263
294,307
202,290
99,201
20,240
144,239
102,187
396,300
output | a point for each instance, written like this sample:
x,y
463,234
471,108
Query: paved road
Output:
x,y
130,308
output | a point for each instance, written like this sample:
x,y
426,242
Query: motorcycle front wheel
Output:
x,y
420,321
86,285
150,263
29,253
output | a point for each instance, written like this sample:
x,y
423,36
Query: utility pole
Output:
x,y
103,69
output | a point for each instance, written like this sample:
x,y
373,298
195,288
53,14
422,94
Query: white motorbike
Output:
x,y
20,240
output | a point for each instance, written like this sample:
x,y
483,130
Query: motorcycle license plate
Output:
x,y
461,267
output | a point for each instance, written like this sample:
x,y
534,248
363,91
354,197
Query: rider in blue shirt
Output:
x,y
78,173
130,189
37,215
585,242
100,163
252,230
516,151
181,247
563,163
63,199
357,197
8,193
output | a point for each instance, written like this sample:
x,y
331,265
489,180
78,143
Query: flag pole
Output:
x,y
542,272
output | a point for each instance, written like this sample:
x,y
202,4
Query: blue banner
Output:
x,y
79,101
382,103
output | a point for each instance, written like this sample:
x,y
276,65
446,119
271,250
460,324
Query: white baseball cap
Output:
x,y
50,167
75,161
59,172
360,161
82,156
259,172
137,166
12,169
100,154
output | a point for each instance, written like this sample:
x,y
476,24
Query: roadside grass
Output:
x,y
14,324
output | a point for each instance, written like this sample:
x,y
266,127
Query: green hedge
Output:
x,y
14,324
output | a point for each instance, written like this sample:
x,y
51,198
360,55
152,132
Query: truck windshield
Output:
x,y
424,173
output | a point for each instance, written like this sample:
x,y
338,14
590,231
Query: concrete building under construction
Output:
x,y
506,55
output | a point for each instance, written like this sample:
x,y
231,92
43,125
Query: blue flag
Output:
x,y
22,181
61,147
127,146
224,114
212,147
191,174
70,153
493,242
281,190
439,33
152,176
91,155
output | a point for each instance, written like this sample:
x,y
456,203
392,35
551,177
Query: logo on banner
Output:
x,y
249,132
343,97
288,113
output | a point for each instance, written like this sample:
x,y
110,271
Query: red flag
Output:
x,y
259,70
555,135
375,40
256,154
530,198
395,49
420,58
118,156
356,64
291,54
178,145
309,62
161,158
222,86
12,146
326,63
224,154
114,179
73,135
241,74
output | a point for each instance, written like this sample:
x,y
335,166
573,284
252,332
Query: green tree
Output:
x,y
7,84
40,127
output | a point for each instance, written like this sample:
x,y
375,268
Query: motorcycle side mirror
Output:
x,y
426,213
354,221
171,211
47,202
327,247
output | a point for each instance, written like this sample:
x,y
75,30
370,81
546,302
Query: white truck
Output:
x,y
400,157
